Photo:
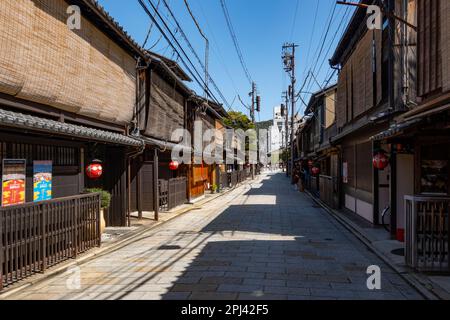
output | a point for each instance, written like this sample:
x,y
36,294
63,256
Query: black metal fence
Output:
x,y
427,233
172,193
232,179
224,180
35,236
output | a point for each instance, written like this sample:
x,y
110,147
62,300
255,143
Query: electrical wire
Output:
x,y
206,67
235,41
295,19
312,35
191,48
215,48
194,74
150,29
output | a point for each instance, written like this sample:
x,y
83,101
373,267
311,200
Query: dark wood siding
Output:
x,y
115,180
66,163
349,157
364,168
429,48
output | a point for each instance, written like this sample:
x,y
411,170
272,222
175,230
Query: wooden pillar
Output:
x,y
139,186
128,188
393,164
155,183
2,246
376,186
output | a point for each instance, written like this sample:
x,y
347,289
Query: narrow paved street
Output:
x,y
261,241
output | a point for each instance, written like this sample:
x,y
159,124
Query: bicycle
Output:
x,y
385,212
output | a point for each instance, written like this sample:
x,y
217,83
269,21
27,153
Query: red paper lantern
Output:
x,y
94,170
380,161
315,171
310,163
174,165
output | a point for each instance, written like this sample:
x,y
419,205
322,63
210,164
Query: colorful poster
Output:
x,y
42,180
13,182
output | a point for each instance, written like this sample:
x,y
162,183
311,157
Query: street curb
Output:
x,y
113,247
409,278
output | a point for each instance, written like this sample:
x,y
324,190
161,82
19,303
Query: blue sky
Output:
x,y
261,26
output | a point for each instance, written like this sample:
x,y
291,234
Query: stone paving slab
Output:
x,y
260,241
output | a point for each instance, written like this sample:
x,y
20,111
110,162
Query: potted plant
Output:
x,y
214,188
105,203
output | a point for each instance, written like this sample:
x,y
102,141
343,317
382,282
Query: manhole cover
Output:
x,y
399,252
169,248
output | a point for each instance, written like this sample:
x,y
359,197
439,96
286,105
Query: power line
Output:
x,y
217,50
146,9
204,67
151,28
156,43
186,3
312,34
341,24
327,30
320,48
235,41
295,19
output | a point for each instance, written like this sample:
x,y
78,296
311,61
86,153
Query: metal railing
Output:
x,y
177,192
427,233
172,193
35,236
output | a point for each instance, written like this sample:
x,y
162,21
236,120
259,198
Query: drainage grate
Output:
x,y
169,248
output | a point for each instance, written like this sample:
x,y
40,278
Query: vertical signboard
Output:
x,y
345,172
42,180
13,182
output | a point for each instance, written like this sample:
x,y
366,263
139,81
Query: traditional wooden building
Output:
x,y
418,139
161,110
98,96
204,176
315,148
68,96
372,89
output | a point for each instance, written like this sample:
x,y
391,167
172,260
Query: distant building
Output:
x,y
277,134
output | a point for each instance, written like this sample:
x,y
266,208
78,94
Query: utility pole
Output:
x,y
252,116
285,114
289,67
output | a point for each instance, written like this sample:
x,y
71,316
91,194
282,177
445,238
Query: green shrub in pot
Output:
x,y
105,196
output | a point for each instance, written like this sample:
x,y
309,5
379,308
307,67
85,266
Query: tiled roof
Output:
x,y
395,129
23,121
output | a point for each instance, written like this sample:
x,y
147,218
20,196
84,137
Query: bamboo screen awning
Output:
x,y
22,121
81,71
